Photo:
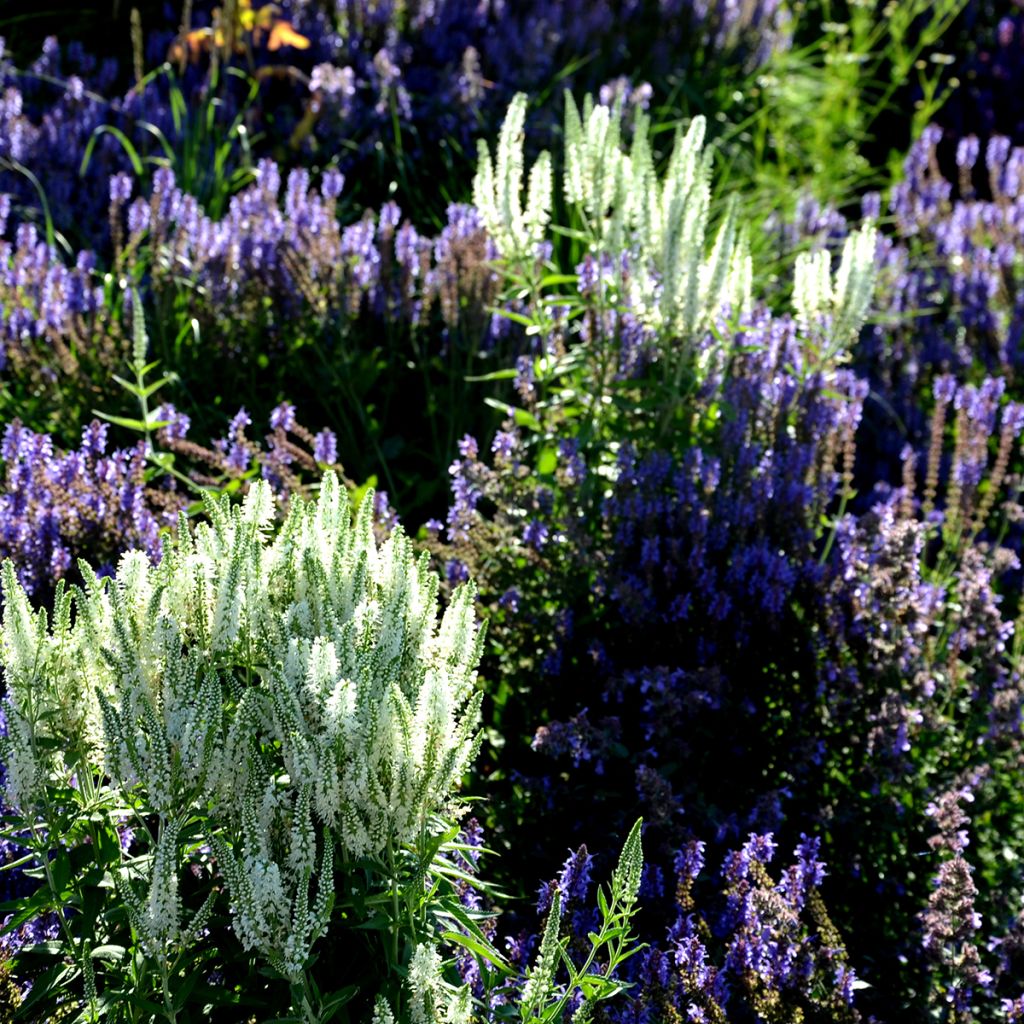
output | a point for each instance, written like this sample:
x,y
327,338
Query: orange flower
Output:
x,y
258,22
282,34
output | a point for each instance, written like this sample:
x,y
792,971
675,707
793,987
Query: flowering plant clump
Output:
x,y
60,505
736,488
216,86
267,713
729,618
57,506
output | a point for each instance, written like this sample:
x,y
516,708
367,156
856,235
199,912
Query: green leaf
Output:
x,y
494,375
151,389
122,421
126,145
580,236
130,386
152,129
517,318
183,989
521,416
360,492
51,236
56,978
108,952
377,923
527,419
330,1007
482,949
547,462
163,460
60,869
504,407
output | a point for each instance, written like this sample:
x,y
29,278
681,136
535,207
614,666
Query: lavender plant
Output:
x,y
694,575
59,506
347,85
59,334
420,82
71,123
968,225
948,288
373,310
707,571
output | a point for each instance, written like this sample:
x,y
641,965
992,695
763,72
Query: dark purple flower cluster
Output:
x,y
289,455
714,545
737,941
660,587
48,114
724,534
752,642
443,70
56,332
270,264
91,502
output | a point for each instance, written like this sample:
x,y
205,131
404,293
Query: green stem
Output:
x,y
394,903
85,962
169,1011
843,501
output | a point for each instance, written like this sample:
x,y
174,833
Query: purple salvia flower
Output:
x,y
178,423
325,447
574,881
967,151
536,534
332,184
283,417
120,189
504,444
456,571
689,861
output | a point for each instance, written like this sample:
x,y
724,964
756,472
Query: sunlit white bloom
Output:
x,y
298,692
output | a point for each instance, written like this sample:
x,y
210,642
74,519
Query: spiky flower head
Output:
x,y
296,690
